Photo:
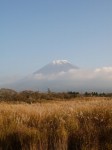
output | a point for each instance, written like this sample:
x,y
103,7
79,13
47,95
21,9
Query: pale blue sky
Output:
x,y
35,32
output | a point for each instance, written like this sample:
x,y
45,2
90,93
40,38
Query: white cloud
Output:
x,y
84,79
99,79
104,69
39,76
74,74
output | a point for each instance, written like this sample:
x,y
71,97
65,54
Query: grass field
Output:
x,y
77,124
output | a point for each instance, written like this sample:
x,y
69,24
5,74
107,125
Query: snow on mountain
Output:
x,y
53,75
60,62
61,75
56,66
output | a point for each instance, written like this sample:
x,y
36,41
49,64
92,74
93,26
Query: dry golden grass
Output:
x,y
79,124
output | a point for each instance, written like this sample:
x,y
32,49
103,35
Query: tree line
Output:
x,y
36,96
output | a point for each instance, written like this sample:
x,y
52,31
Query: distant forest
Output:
x,y
28,96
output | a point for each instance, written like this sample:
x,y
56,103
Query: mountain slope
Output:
x,y
61,75
52,75
55,67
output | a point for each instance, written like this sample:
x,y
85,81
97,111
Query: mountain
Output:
x,y
52,75
55,67
61,75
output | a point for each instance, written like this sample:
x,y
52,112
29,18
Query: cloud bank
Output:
x,y
99,79
83,74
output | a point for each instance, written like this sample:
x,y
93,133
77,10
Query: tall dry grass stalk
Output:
x,y
58,125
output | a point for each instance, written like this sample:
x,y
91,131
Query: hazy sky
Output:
x,y
35,32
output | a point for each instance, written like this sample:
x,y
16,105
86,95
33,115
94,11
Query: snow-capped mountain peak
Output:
x,y
60,62
55,67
